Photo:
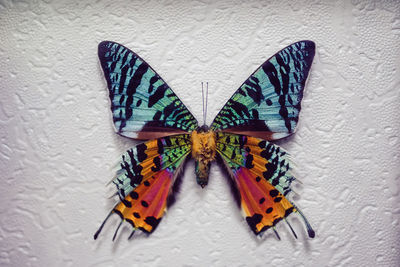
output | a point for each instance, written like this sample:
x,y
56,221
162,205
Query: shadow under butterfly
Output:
x,y
265,108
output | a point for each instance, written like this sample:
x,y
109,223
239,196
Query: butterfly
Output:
x,y
265,108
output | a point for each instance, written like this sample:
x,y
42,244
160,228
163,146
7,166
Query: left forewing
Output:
x,y
142,104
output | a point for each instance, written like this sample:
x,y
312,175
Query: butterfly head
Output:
x,y
203,129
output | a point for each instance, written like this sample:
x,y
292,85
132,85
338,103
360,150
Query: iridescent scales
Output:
x,y
264,108
268,102
143,105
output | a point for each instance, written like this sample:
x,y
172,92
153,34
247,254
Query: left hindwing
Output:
x,y
267,105
145,179
143,161
143,105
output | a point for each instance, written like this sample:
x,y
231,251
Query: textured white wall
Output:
x,y
58,145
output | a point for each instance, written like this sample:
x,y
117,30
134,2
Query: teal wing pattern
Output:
x,y
143,105
267,104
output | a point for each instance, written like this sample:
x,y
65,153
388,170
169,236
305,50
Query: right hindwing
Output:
x,y
261,171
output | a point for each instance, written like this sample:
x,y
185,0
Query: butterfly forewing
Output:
x,y
143,105
267,105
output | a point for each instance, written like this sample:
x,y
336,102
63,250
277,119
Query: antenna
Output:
x,y
205,113
205,98
202,97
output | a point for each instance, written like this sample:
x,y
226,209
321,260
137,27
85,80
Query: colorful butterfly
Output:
x,y
265,107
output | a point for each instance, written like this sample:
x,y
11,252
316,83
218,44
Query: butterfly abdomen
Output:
x,y
203,152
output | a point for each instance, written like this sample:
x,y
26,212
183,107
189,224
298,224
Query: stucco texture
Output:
x,y
58,145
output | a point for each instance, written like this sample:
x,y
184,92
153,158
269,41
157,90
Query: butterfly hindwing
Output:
x,y
143,105
145,179
261,172
267,105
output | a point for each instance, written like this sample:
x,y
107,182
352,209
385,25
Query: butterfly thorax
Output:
x,y
203,151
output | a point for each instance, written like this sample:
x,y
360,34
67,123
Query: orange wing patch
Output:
x,y
262,204
144,207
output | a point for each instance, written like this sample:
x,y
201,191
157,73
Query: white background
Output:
x,y
58,145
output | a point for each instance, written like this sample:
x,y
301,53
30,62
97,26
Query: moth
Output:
x,y
265,108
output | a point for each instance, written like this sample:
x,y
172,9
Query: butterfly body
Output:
x,y
266,107
203,143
